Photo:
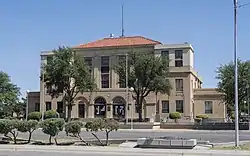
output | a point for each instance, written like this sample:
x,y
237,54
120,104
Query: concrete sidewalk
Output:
x,y
125,151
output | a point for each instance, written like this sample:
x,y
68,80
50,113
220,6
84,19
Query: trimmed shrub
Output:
x,y
202,116
51,114
9,126
73,129
175,116
35,116
106,125
52,127
27,126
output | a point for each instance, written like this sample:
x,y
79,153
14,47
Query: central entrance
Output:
x,y
100,107
81,109
119,108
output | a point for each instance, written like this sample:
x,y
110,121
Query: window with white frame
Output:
x,y
105,71
208,107
165,106
179,84
178,58
179,106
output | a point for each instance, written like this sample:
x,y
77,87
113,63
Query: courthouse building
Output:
x,y
187,95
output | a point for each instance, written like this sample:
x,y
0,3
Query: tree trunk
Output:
x,y
69,112
79,136
15,134
140,103
55,141
97,138
50,137
107,138
30,133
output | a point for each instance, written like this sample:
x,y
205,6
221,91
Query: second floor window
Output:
x,y
165,53
105,72
179,84
49,59
122,81
178,54
105,80
88,62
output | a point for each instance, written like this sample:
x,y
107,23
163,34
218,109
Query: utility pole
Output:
x,y
236,76
126,68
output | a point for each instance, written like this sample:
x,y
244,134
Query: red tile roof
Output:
x,y
119,42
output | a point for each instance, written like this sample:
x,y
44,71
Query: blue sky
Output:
x,y
27,27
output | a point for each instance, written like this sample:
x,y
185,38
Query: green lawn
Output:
x,y
242,147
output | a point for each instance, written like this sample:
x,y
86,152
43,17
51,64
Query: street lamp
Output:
x,y
248,109
132,110
236,6
27,104
236,76
126,68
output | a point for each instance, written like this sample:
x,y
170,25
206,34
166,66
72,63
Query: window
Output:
x,y
105,71
37,107
178,54
208,107
105,60
122,58
60,88
178,63
49,59
179,106
105,80
88,62
165,53
122,80
179,84
48,106
165,106
59,107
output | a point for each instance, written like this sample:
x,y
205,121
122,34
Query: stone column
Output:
x,y
91,111
109,110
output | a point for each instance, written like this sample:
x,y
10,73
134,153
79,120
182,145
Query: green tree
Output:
x,y
9,126
9,93
145,70
73,129
20,107
225,75
106,125
109,125
93,127
27,126
52,127
66,73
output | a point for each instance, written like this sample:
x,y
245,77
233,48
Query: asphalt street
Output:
x,y
212,136
108,151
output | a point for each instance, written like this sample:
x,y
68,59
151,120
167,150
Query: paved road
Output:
x,y
212,136
107,151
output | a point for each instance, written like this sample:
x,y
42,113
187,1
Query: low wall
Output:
x,y
211,126
137,126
